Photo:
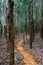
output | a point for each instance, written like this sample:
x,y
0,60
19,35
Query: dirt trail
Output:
x,y
28,58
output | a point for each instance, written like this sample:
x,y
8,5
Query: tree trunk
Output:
x,y
11,32
31,23
42,19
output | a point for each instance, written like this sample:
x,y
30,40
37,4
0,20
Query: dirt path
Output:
x,y
28,59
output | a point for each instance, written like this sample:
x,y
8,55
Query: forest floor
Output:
x,y
37,50
3,51
35,54
28,58
23,55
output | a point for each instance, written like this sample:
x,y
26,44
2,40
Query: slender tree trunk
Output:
x,y
11,32
22,31
0,28
26,27
31,22
0,18
42,19
23,38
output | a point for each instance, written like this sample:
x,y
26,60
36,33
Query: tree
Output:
x,y
31,22
11,31
1,28
25,27
5,31
42,19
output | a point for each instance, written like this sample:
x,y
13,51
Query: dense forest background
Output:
x,y
21,13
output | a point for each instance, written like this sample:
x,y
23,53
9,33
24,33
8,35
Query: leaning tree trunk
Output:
x,y
11,31
42,19
31,23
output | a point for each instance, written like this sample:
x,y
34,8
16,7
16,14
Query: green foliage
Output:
x,y
21,11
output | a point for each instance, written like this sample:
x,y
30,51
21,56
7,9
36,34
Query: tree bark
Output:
x,y
42,19
31,23
11,31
